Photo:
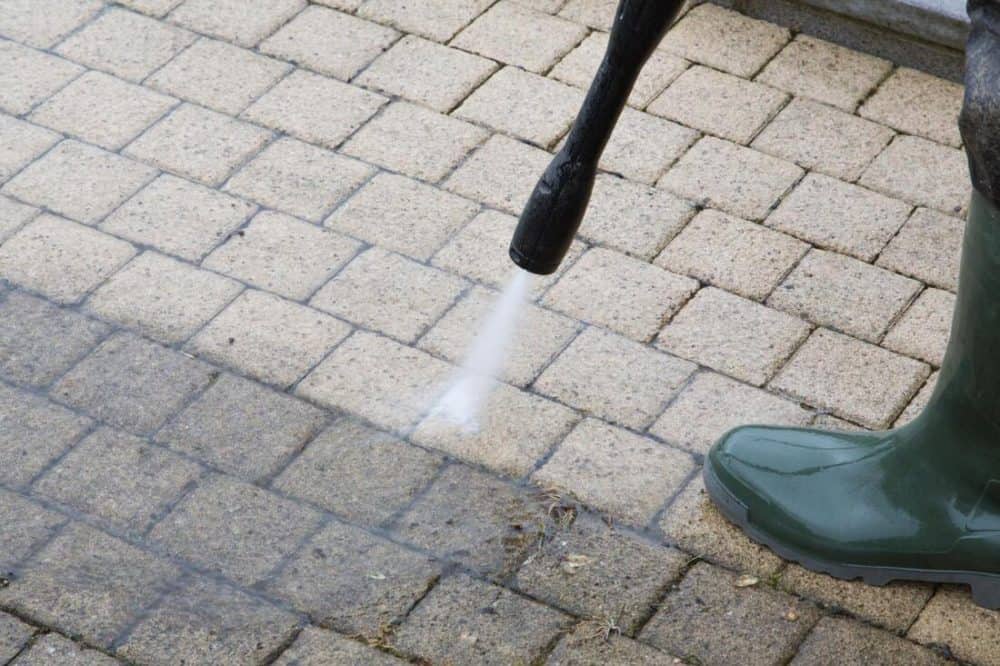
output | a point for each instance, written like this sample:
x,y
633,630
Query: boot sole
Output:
x,y
985,587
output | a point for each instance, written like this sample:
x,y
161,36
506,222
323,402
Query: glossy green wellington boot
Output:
x,y
921,502
918,503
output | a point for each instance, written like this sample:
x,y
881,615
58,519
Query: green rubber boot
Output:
x,y
921,502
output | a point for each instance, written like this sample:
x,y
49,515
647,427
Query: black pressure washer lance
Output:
x,y
921,502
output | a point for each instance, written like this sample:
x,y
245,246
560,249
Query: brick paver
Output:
x,y
315,199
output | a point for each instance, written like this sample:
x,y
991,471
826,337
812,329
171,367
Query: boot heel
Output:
x,y
986,592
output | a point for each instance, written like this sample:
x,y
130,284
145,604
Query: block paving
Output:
x,y
244,246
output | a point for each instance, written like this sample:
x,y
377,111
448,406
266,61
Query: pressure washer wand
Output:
x,y
559,201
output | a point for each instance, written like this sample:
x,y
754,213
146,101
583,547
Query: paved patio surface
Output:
x,y
243,244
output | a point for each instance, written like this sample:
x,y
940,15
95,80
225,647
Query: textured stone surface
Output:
x,y
20,144
922,331
53,648
853,644
631,152
389,293
359,473
825,72
435,19
286,340
501,173
711,405
633,218
13,216
242,428
101,109
378,379
524,105
733,335
218,75
38,341
35,432
815,136
733,254
476,519
42,23
725,40
837,216
719,104
740,181
593,570
918,103
87,583
517,35
298,178
79,181
414,141
514,432
25,527
968,630
14,634
587,645
119,479
235,20
199,143
894,606
162,297
693,523
637,474
109,43
219,625
316,647
427,73
463,620
579,66
352,581
852,379
314,108
132,383
28,76
845,294
282,255
928,248
614,378
922,173
329,42
539,335
234,528
624,294
758,628
403,215
178,217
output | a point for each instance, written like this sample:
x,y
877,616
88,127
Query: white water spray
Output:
x,y
463,402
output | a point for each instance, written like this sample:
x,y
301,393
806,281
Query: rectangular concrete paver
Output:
x,y
314,647
22,143
53,648
637,475
464,620
853,379
359,473
624,294
431,74
87,583
762,626
235,20
27,76
968,630
132,383
26,527
287,339
514,432
854,644
42,23
918,103
14,635
927,248
595,571
615,378
923,173
243,428
354,582
712,404
434,19
234,528
923,330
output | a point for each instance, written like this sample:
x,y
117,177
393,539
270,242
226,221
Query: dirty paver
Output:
x,y
244,245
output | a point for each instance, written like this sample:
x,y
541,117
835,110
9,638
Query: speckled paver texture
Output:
x,y
244,244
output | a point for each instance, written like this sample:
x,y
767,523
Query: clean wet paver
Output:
x,y
245,246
